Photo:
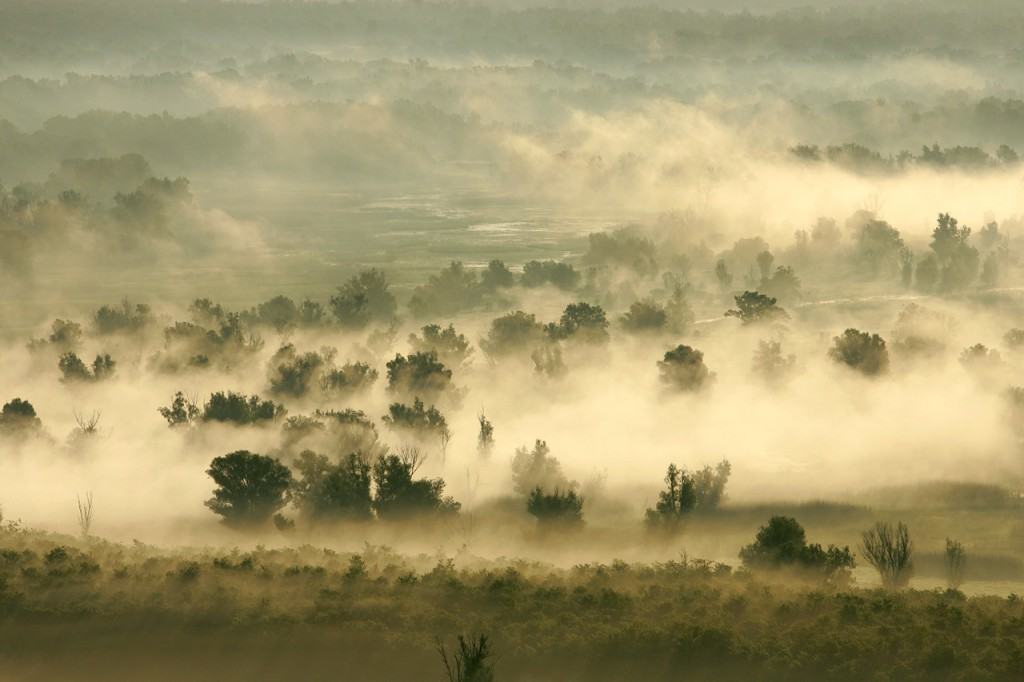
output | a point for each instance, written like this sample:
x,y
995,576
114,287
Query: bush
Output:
x,y
683,369
251,488
890,550
783,544
537,469
564,509
861,351
73,369
644,316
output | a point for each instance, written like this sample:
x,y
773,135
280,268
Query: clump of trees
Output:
x,y
418,421
559,508
363,300
771,364
753,307
683,369
621,249
400,495
513,334
861,351
581,322
298,374
419,374
954,263
452,290
122,319
237,408
782,544
65,337
337,433
329,490
214,338
560,275
18,418
890,551
73,369
686,493
536,468
451,347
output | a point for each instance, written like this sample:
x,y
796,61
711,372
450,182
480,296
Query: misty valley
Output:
x,y
511,340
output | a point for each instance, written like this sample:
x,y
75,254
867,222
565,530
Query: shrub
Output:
x,y
73,369
18,417
517,332
564,509
890,550
582,322
783,544
125,318
417,420
861,351
469,663
181,411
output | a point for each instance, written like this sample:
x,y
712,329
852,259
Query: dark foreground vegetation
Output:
x,y
90,609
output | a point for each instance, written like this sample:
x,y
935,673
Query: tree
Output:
x,y
683,369
497,276
955,564
363,300
644,316
350,378
73,369
250,487
240,409
514,333
469,663
18,417
861,351
723,276
332,491
957,261
621,249
419,374
537,469
560,275
770,363
452,290
280,313
754,307
783,285
418,420
452,348
581,322
878,245
294,374
782,544
563,509
399,495
122,319
181,412
764,264
485,439
890,551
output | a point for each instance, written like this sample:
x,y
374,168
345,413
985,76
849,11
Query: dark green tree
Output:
x,y
861,351
683,369
363,300
251,488
754,307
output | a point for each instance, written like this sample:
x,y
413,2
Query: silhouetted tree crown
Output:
x,y
363,300
683,369
251,488
861,351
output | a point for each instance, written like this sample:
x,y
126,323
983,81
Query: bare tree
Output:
x,y
469,662
446,438
88,425
85,514
956,564
890,551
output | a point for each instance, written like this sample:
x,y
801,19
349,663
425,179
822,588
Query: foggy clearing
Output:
x,y
511,340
